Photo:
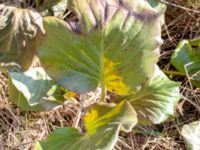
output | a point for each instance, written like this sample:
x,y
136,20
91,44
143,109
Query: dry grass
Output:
x,y
19,130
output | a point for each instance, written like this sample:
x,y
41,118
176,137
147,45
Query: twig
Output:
x,y
78,119
187,74
178,6
168,34
124,143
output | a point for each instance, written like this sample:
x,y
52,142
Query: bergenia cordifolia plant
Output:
x,y
186,59
191,135
113,45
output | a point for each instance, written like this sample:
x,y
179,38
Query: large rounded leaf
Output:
x,y
34,90
115,44
102,127
191,135
157,99
18,29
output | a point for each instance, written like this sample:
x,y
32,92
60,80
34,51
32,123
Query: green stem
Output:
x,y
173,72
103,93
102,69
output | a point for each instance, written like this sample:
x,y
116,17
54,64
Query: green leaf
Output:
x,y
18,30
156,4
191,135
34,90
186,59
114,45
102,124
156,100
